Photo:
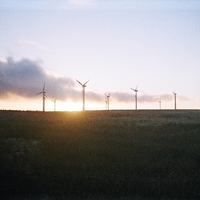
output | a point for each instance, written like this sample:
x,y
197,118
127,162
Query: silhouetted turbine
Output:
x,y
54,104
174,100
136,90
43,97
159,103
83,86
107,100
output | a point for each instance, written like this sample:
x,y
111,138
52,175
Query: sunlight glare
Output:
x,y
73,106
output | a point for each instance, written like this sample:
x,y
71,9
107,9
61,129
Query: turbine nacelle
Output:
x,y
107,95
136,90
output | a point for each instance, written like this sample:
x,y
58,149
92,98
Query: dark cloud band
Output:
x,y
26,78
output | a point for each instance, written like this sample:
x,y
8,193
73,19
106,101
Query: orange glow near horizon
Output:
x,y
18,103
36,105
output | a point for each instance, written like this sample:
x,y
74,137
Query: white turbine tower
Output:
x,y
43,97
175,100
159,101
83,86
54,101
107,101
136,90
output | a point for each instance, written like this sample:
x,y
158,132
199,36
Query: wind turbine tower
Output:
x,y
83,91
43,97
174,100
136,90
54,101
160,103
107,101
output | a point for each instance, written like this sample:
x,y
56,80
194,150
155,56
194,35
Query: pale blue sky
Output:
x,y
116,44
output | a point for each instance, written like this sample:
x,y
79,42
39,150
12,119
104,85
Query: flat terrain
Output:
x,y
100,155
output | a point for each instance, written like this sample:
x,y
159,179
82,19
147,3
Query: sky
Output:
x,y
117,45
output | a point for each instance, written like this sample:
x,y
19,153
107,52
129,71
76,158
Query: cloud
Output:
x,y
130,97
2,60
150,5
144,98
95,97
26,78
123,96
80,2
182,98
32,43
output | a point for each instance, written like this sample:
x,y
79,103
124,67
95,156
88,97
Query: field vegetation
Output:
x,y
100,155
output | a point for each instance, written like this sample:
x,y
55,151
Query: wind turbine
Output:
x,y
83,86
43,97
175,100
160,103
54,104
107,100
136,90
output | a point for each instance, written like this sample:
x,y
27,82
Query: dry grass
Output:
x,y
100,155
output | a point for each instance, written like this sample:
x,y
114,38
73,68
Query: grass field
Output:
x,y
100,155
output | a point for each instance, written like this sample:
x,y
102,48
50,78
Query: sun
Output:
x,y
73,106
68,106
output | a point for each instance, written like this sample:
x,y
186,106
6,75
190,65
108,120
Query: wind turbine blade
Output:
x,y
39,93
79,82
86,82
107,95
